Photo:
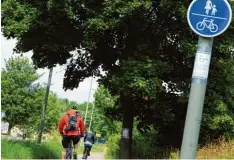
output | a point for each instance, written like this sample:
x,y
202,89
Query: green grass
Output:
x,y
98,148
13,149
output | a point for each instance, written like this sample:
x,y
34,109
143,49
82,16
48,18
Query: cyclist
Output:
x,y
71,127
88,142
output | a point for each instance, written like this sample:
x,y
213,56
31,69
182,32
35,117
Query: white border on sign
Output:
x,y
209,36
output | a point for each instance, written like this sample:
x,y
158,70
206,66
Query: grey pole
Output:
x,y
196,98
91,117
45,105
87,107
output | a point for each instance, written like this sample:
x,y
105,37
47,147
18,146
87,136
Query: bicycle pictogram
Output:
x,y
209,24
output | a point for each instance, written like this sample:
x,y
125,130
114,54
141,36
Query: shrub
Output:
x,y
112,145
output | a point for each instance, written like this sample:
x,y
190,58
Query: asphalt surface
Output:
x,y
94,156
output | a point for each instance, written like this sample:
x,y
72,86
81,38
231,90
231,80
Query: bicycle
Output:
x,y
86,152
69,151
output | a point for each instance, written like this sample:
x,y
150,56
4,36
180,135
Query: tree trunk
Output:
x,y
126,138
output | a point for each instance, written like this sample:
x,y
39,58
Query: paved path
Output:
x,y
94,156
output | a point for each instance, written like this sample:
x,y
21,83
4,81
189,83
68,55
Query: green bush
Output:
x,y
14,149
143,146
112,145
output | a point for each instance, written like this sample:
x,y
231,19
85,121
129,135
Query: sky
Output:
x,y
79,95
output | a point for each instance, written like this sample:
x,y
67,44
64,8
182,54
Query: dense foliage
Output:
x,y
23,98
19,92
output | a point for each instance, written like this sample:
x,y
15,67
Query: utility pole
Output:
x,y
91,117
87,107
45,105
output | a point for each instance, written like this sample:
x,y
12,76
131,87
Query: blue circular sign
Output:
x,y
209,18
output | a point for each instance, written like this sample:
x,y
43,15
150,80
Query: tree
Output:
x,y
19,91
39,26
104,104
53,113
33,122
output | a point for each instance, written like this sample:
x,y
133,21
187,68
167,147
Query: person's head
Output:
x,y
90,131
74,108
214,6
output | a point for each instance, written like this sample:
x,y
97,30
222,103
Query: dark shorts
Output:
x,y
88,146
66,140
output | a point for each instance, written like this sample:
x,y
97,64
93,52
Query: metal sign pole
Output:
x,y
208,19
196,98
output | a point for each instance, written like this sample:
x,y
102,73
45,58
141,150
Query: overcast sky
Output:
x,y
80,95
